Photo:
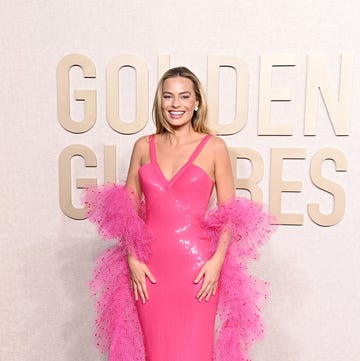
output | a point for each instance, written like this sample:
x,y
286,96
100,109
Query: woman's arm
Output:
x,y
136,161
138,270
225,191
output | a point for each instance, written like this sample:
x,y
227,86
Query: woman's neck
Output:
x,y
179,136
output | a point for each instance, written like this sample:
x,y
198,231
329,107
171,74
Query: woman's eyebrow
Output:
x,y
169,92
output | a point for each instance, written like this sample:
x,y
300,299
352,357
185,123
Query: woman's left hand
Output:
x,y
210,271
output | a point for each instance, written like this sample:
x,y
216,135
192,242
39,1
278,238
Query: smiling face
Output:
x,y
183,87
178,101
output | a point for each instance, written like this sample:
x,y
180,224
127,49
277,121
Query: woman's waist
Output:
x,y
175,223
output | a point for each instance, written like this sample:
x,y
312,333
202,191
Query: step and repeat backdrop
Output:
x,y
77,85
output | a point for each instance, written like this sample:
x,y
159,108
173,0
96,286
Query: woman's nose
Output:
x,y
175,102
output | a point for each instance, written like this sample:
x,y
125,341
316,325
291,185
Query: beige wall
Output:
x,y
47,257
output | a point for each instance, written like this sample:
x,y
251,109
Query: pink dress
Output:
x,y
176,326
173,231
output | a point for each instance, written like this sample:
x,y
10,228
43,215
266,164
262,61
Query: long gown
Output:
x,y
176,326
174,233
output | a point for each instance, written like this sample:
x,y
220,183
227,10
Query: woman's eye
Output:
x,y
185,97
166,96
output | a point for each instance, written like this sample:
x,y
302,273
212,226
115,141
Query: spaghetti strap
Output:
x,y
199,148
152,149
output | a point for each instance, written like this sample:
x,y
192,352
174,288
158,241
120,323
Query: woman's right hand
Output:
x,y
138,273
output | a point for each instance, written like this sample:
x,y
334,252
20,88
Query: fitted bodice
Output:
x,y
186,194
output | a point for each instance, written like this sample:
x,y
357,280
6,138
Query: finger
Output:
x,y
142,288
200,293
199,276
211,292
145,291
141,293
203,289
135,292
150,276
214,290
205,293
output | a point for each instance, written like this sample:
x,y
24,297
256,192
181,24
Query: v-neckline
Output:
x,y
169,182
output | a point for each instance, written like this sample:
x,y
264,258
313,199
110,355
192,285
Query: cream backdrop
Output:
x,y
47,257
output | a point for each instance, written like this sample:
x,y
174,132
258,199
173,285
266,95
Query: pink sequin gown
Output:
x,y
174,236
176,326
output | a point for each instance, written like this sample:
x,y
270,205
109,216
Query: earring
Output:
x,y
196,109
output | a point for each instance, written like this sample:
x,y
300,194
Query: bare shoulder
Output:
x,y
142,142
141,145
141,152
220,154
217,145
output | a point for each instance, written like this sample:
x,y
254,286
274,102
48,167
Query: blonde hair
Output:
x,y
199,118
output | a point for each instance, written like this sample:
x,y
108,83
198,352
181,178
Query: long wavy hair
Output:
x,y
199,118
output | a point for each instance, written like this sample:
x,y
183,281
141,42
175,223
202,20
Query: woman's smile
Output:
x,y
176,114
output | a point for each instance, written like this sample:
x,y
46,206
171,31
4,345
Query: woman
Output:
x,y
185,264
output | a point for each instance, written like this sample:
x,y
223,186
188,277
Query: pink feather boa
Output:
x,y
119,216
241,294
